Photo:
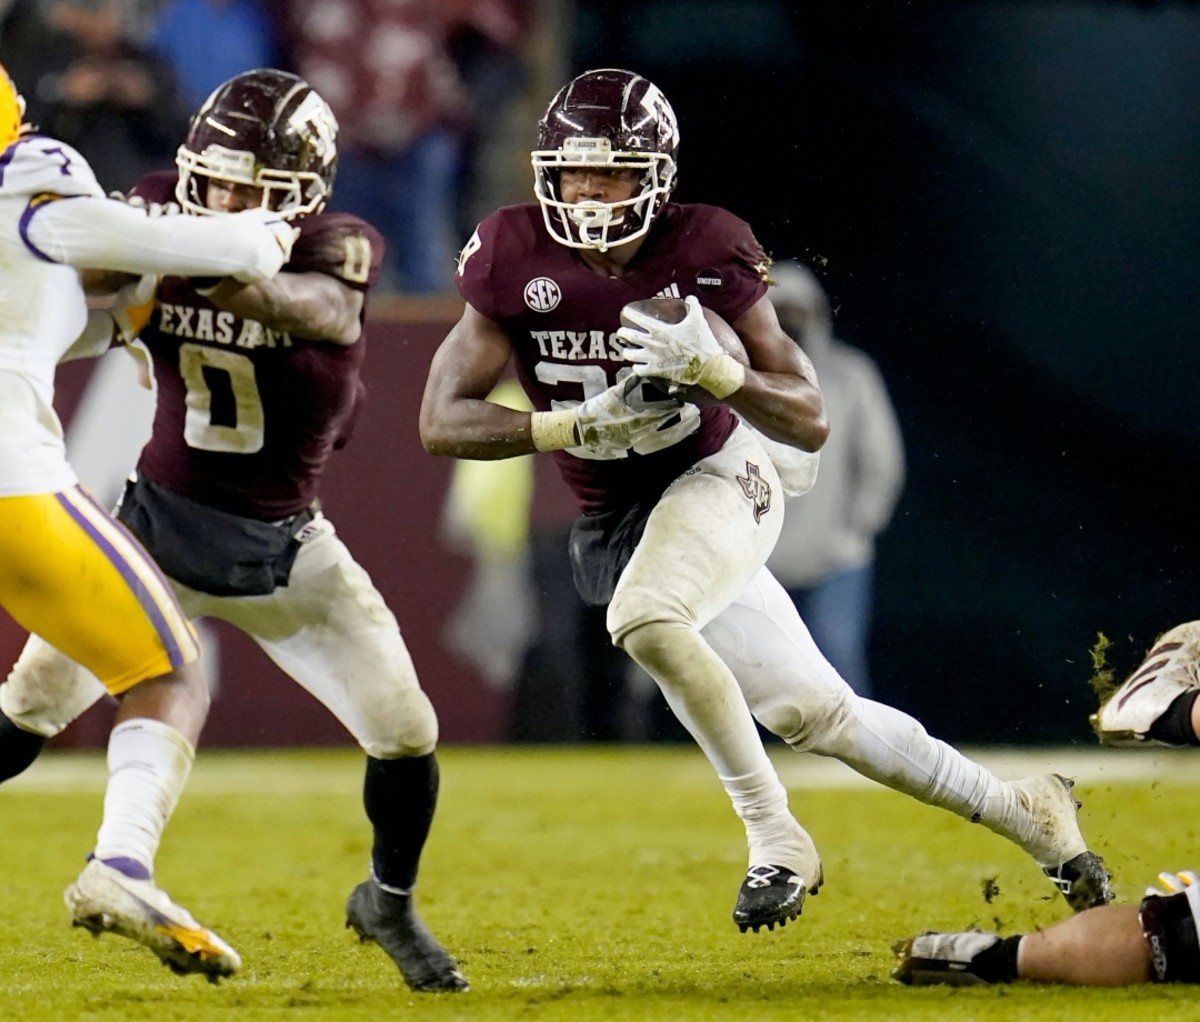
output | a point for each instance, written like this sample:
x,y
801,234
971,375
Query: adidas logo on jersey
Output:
x,y
670,291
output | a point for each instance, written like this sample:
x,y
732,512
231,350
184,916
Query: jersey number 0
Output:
x,y
221,386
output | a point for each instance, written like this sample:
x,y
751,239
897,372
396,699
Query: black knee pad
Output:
x,y
1170,931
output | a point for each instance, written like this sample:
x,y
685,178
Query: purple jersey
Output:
x,y
561,318
246,416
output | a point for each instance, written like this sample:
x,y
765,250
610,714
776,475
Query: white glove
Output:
x,y
285,236
605,424
685,353
1173,883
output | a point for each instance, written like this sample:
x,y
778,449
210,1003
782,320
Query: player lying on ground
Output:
x,y
1155,941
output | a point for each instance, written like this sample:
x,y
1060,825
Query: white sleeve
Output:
x,y
96,339
101,233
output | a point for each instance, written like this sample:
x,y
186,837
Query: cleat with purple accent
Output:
x,y
103,899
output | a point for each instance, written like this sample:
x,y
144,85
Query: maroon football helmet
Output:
x,y
605,118
264,128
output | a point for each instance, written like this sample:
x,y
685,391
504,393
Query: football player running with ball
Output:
x,y
68,571
258,383
682,503
1154,941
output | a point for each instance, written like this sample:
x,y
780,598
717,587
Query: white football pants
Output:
x,y
328,629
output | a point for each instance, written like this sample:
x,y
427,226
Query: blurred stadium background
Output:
x,y
1002,199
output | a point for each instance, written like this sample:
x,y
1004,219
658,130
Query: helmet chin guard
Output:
x,y
609,119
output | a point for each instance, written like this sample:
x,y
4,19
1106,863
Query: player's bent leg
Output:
x,y
702,542
79,580
332,633
1169,671
796,694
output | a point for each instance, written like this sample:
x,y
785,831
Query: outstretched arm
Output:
x,y
94,232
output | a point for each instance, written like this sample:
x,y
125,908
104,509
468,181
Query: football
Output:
x,y
673,310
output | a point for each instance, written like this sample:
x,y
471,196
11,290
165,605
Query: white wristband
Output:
x,y
553,431
722,375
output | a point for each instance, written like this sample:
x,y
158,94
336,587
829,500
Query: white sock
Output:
x,y
704,695
891,747
774,836
798,695
148,766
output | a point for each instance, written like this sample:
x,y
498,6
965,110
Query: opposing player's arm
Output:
x,y
92,232
456,417
311,305
780,396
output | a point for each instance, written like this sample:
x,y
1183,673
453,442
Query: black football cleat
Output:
x,y
770,895
391,921
1084,881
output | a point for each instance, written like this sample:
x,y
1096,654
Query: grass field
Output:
x,y
585,884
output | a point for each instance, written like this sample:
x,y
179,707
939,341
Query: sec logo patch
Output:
x,y
542,294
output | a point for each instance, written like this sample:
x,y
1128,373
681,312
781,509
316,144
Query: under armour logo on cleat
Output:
x,y
761,876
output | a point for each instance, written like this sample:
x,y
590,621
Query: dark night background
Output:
x,y
1002,200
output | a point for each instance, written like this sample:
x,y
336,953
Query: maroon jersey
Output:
x,y
561,318
246,416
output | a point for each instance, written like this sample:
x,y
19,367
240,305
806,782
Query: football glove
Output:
x,y
1173,883
685,354
131,307
608,424
605,424
285,236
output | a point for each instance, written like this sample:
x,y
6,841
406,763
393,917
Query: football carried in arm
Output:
x,y
673,310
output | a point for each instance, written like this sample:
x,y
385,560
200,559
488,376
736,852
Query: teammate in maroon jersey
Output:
x,y
681,504
257,385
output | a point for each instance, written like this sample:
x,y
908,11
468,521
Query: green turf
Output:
x,y
571,884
